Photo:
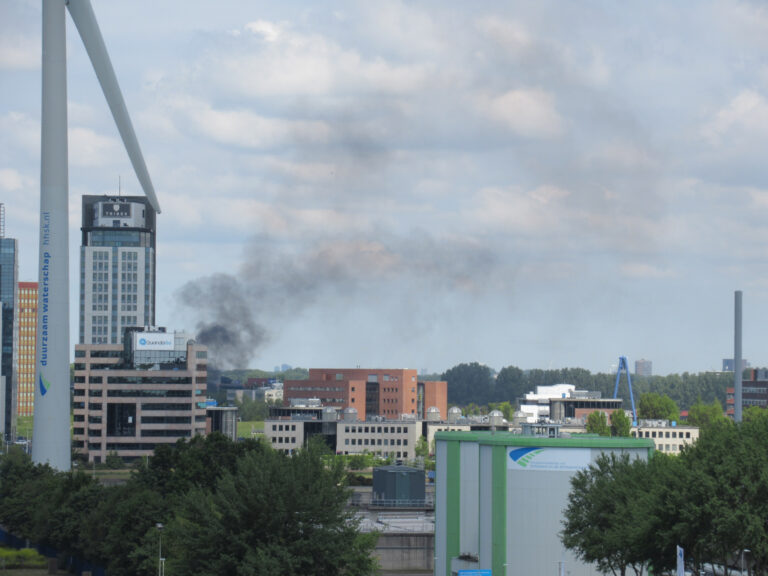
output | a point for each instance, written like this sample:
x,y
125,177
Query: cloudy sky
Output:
x,y
418,184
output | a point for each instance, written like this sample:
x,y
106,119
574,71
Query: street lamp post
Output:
x,y
160,558
742,560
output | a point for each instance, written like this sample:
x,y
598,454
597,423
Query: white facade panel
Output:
x,y
485,506
441,507
468,509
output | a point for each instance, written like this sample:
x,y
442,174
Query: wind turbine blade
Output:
x,y
85,21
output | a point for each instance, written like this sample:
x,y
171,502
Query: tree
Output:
x,y
273,515
751,413
469,383
704,415
253,410
422,447
621,425
653,406
597,423
510,385
604,520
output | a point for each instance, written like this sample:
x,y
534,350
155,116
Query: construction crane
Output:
x,y
623,364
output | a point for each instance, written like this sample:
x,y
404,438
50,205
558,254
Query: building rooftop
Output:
x,y
575,441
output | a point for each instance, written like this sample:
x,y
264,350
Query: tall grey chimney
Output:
x,y
737,363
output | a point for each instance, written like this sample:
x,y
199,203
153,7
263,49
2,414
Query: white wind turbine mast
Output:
x,y
51,440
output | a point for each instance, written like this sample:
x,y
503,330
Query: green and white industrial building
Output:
x,y
500,497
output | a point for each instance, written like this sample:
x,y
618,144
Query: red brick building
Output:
x,y
372,392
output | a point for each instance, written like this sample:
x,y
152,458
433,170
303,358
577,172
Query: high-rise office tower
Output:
x,y
643,367
27,343
9,274
117,267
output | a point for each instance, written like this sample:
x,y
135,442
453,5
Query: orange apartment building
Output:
x,y
27,338
389,393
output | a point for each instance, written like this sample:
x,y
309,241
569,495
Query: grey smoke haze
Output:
x,y
534,183
225,322
409,276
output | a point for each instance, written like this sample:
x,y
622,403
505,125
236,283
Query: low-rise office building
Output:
x,y
754,391
389,393
562,402
349,436
667,436
130,397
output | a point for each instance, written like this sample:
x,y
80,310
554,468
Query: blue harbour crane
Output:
x,y
624,365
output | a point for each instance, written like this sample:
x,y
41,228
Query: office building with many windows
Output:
x,y
117,267
9,276
27,343
389,393
643,367
132,397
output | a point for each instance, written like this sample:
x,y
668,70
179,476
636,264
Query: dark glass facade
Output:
x,y
9,276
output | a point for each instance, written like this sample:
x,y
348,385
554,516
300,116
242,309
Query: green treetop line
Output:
x,y
226,508
710,500
476,384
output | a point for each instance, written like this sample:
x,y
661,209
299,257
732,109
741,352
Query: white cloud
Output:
x,y
532,212
242,127
745,116
20,131
623,155
269,31
759,197
529,113
645,270
19,51
88,148
10,179
510,34
288,62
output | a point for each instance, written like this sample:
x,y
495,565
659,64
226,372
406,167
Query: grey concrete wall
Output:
x,y
406,551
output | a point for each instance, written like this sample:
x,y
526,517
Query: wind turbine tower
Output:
x,y
51,441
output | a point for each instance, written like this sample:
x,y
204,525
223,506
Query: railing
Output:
x,y
427,502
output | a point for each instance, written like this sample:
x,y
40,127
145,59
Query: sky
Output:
x,y
419,184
